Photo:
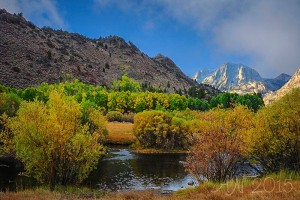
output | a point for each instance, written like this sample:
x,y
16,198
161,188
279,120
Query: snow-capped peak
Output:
x,y
238,78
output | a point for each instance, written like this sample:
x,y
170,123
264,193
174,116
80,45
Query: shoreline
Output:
x,y
283,185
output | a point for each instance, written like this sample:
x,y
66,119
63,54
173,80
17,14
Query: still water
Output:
x,y
122,170
119,170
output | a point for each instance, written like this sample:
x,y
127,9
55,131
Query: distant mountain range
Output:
x,y
30,55
294,82
240,79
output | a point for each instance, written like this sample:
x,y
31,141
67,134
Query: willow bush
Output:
x,y
52,142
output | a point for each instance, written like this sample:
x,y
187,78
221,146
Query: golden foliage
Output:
x,y
276,136
52,142
220,143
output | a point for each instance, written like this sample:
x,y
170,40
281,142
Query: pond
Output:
x,y
123,170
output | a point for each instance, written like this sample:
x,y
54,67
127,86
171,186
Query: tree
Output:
x,y
224,100
52,142
197,104
158,129
145,101
30,93
9,103
120,101
178,102
220,144
276,137
126,84
252,101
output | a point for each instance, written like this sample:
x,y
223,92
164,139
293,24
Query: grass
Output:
x,y
120,133
280,186
60,192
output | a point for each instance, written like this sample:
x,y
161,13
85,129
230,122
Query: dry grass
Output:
x,y
60,193
264,188
37,194
258,189
120,133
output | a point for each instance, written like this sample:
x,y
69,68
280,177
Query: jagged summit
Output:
x,y
236,78
242,79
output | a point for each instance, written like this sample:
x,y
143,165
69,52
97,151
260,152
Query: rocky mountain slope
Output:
x,y
242,79
294,82
30,55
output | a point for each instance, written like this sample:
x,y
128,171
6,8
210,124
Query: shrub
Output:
x,y
220,145
276,136
128,117
51,141
158,129
114,116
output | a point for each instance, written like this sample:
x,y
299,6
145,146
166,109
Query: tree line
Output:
x,y
125,96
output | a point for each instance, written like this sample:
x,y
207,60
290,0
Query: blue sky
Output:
x,y
195,34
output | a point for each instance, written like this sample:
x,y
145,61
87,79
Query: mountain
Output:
x,y
30,55
202,74
242,79
278,82
294,82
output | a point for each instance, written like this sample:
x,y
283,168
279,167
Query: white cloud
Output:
x,y
40,12
266,31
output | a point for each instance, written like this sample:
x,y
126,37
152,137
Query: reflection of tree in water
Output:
x,y
159,168
122,170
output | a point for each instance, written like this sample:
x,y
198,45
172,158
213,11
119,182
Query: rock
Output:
x,y
191,183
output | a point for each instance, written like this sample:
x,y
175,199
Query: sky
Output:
x,y
195,34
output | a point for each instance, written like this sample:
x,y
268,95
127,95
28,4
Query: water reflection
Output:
x,y
119,170
123,170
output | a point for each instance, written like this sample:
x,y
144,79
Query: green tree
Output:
x,y
9,103
30,93
51,141
178,102
252,101
197,104
224,100
126,84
